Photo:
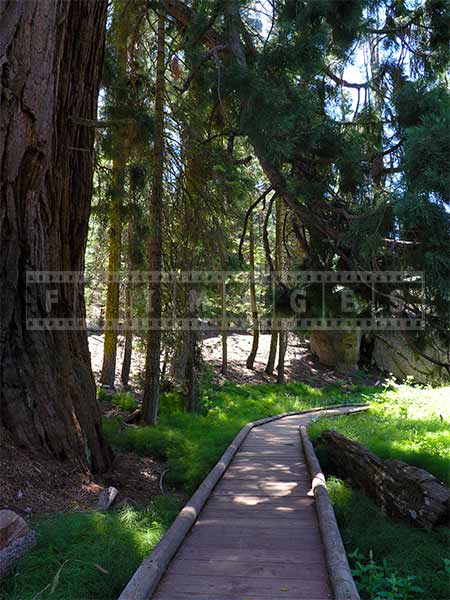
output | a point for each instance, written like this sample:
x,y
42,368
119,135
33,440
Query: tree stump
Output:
x,y
15,539
401,490
107,497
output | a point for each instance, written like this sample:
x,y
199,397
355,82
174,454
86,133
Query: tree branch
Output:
x,y
247,216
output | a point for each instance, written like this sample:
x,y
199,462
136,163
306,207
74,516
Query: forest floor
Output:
x,y
300,363
34,486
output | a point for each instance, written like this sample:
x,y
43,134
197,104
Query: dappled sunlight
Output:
x,y
192,443
402,424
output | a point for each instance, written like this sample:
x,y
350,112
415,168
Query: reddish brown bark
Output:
x,y
50,61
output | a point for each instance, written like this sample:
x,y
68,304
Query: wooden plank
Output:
x,y
264,503
242,586
276,466
266,475
280,519
272,489
270,454
248,568
252,538
301,556
280,530
214,596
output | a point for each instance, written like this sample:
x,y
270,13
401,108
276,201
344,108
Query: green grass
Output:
x,y
404,422
407,551
74,550
88,555
124,400
411,424
192,443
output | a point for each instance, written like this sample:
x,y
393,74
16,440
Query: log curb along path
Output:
x,y
341,579
149,574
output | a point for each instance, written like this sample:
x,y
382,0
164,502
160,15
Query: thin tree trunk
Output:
x,y
283,334
283,338
254,350
128,349
119,135
152,368
224,335
273,349
113,286
50,71
192,372
278,266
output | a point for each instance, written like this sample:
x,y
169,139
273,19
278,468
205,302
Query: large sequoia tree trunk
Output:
x,y
400,489
50,61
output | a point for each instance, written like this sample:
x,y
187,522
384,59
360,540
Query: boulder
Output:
x,y
16,538
395,353
339,349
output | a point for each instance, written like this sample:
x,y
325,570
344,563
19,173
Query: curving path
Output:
x,y
257,537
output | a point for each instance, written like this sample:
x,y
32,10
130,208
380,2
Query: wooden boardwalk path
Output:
x,y
258,536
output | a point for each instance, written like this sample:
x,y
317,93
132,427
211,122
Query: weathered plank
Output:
x,y
264,503
267,587
302,557
263,488
211,537
248,568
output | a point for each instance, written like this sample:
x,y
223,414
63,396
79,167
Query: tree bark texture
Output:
x,y
121,28
128,350
113,286
50,61
401,490
275,339
152,368
223,333
282,347
255,342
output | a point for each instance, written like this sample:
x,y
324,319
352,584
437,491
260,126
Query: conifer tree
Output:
x,y
47,391
150,404
354,199
118,36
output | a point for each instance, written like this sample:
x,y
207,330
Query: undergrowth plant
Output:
x,y
376,581
389,558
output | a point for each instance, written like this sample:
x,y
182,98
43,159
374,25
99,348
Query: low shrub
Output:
x,y
390,559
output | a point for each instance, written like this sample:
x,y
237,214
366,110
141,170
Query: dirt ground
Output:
x,y
300,364
32,485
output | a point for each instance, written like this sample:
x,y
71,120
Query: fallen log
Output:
x,y
401,490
